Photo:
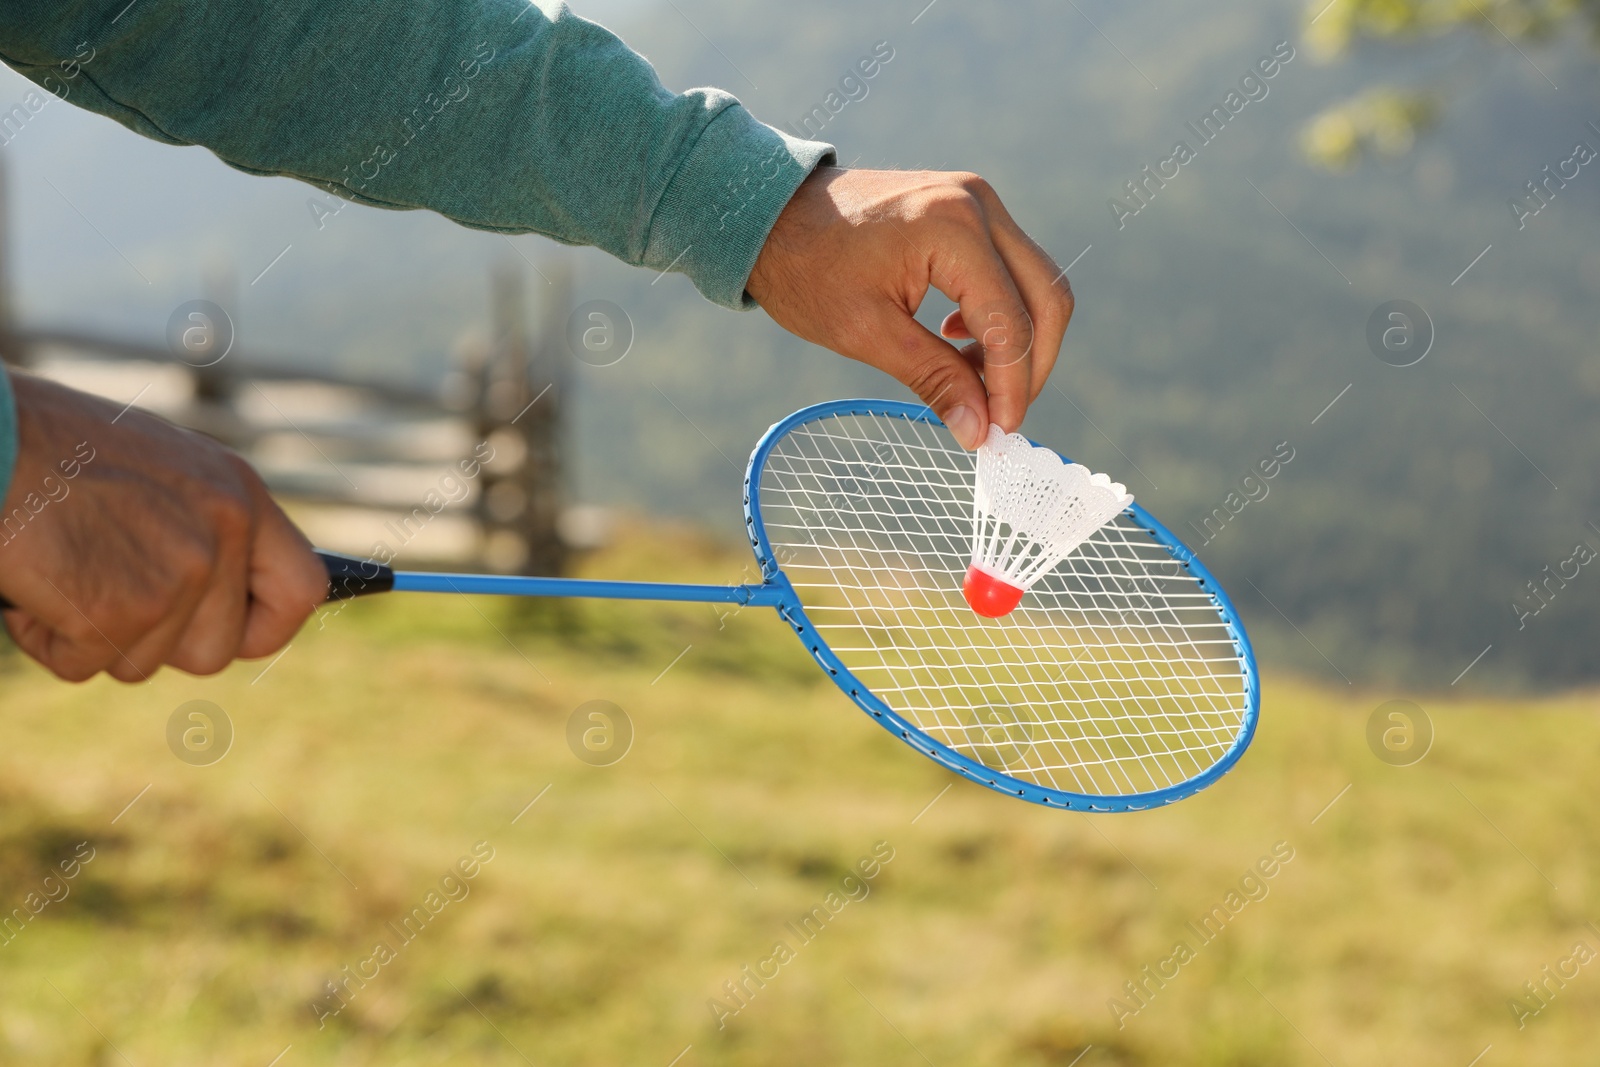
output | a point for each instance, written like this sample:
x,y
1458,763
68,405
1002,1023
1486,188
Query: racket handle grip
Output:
x,y
348,577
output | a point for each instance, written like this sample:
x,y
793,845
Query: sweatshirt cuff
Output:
x,y
8,433
717,211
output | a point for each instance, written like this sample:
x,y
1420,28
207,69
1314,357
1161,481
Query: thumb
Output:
x,y
943,378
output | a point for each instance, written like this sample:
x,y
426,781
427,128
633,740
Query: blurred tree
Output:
x,y
1385,121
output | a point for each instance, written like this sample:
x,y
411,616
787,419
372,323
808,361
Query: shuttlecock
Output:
x,y
1030,509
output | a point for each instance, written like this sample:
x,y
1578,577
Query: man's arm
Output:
x,y
491,112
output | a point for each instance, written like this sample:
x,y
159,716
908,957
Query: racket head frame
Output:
x,y
793,613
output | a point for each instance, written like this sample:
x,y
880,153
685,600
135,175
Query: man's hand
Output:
x,y
132,543
852,256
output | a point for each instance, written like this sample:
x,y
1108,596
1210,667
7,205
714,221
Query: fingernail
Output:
x,y
964,427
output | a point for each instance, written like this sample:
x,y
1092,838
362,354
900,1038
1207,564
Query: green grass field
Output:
x,y
386,745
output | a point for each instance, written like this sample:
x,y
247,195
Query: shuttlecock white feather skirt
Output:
x,y
1030,509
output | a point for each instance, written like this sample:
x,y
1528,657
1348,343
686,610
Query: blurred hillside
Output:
x,y
409,732
1217,323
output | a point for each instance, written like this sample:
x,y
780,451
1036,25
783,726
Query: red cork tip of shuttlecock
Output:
x,y
991,597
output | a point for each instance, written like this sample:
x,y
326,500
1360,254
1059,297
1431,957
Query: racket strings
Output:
x,y
1117,675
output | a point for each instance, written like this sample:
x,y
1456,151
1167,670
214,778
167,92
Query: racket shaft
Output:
x,y
350,577
518,585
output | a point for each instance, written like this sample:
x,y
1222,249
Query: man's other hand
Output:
x,y
853,255
127,543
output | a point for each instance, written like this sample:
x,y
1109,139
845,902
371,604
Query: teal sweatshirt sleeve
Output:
x,y
495,113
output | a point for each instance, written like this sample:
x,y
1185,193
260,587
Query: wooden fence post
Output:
x,y
519,413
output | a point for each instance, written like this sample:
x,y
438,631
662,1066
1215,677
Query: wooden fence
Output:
x,y
469,473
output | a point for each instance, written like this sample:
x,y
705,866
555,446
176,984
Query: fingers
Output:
x,y
994,315
69,659
145,655
945,380
1045,290
248,605
155,559
287,583
242,593
954,327
1015,303
212,633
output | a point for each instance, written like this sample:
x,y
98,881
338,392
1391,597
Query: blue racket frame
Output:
x,y
794,614
775,590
